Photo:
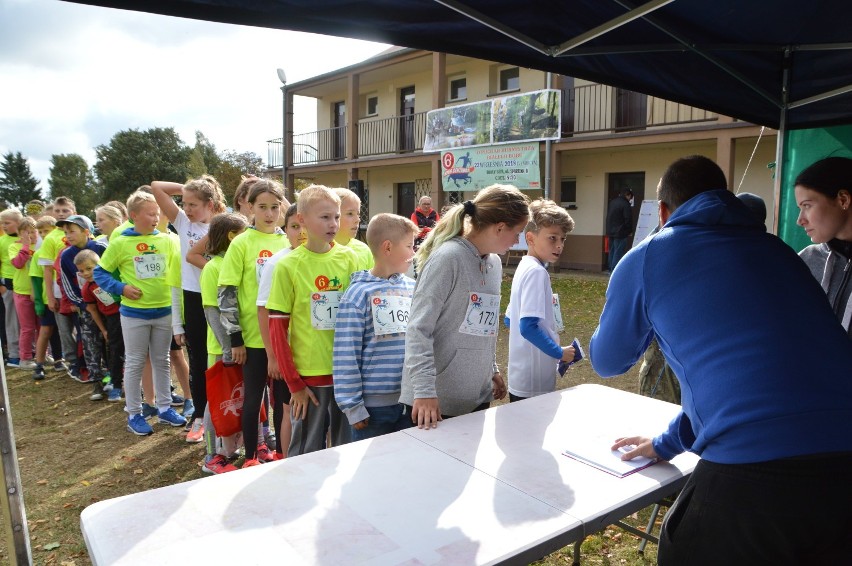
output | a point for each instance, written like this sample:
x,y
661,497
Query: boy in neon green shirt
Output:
x,y
148,261
306,288
350,221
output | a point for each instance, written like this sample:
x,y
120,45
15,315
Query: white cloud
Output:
x,y
72,76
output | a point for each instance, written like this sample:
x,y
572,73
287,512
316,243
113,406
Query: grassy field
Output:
x,y
73,452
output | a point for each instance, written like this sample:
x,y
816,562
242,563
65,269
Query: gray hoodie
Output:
x,y
441,361
833,270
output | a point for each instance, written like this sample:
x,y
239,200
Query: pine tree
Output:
x,y
17,184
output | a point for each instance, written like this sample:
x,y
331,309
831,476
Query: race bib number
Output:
x,y
482,313
324,309
150,266
390,314
557,313
104,297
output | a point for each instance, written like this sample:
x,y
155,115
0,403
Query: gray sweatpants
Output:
x,y
308,435
144,338
13,330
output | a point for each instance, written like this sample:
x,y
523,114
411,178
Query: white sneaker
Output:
x,y
27,364
48,359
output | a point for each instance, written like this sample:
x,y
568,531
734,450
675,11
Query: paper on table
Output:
x,y
595,451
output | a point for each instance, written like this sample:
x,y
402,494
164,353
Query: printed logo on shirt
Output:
x,y
324,283
145,248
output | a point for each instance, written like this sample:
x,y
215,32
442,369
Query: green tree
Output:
x,y
17,184
196,164
134,158
233,166
207,151
71,177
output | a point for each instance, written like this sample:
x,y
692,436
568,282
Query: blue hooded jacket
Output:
x,y
764,365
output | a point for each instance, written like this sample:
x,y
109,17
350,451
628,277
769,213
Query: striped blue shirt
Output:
x,y
367,367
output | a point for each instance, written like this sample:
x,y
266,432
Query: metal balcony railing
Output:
x,y
587,109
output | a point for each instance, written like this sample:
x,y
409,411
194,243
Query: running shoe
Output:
x,y
196,433
218,464
264,454
139,426
171,418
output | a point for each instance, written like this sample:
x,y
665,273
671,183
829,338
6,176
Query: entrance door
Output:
x,y
616,182
406,124
339,130
406,196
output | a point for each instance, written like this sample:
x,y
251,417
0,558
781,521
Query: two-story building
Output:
x,y
371,120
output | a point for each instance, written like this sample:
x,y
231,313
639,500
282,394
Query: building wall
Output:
x,y
584,249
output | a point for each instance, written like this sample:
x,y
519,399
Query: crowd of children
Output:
x,y
335,342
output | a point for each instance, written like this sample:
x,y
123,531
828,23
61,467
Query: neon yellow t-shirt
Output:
x,y
362,250
37,270
21,278
51,246
308,286
209,282
151,263
241,268
7,270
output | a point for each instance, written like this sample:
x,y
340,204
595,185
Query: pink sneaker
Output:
x,y
196,432
218,464
264,454
250,463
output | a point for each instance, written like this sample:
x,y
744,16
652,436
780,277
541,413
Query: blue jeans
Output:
x,y
383,420
617,248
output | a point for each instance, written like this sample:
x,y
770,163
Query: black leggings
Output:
x,y
255,371
115,349
195,328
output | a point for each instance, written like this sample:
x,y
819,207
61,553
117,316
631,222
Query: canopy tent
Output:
x,y
782,64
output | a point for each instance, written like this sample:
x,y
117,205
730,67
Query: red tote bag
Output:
x,y
225,397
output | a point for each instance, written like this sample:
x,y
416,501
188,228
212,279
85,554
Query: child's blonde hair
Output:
x,y
314,194
26,223
206,188
46,221
346,194
86,255
546,213
11,214
120,206
386,226
139,198
111,212
492,205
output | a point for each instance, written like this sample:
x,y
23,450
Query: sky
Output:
x,y
72,76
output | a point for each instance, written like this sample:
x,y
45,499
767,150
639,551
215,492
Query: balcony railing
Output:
x,y
586,109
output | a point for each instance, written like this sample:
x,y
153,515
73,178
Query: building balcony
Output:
x,y
586,110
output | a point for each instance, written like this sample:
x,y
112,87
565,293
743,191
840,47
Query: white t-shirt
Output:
x,y
265,284
531,371
189,233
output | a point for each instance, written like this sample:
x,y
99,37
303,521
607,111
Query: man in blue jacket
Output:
x,y
766,376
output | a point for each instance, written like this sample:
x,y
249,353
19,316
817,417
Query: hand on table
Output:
x,y
643,447
426,413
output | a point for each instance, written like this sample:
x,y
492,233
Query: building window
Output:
x,y
568,192
458,88
372,105
510,79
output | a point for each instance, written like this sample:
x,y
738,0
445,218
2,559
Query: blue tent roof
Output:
x,y
733,57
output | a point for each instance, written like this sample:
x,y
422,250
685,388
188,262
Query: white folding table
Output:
x,y
491,487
